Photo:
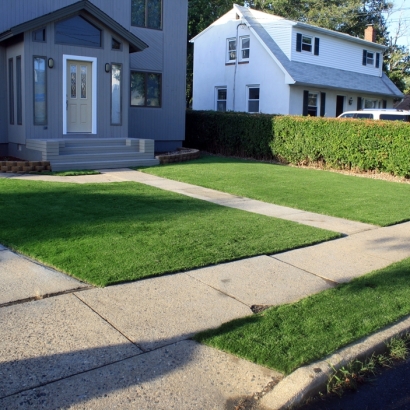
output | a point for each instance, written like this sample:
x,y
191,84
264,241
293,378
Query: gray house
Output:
x,y
92,83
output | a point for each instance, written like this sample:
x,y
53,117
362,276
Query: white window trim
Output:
x,y
228,52
93,61
373,59
242,49
317,93
248,99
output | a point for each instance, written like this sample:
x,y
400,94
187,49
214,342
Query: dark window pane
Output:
x,y
77,31
138,13
39,35
254,93
115,45
40,91
364,116
19,91
154,14
245,53
221,106
137,89
153,90
253,106
11,91
221,94
394,117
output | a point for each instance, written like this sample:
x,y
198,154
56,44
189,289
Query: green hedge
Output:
x,y
231,133
336,143
344,143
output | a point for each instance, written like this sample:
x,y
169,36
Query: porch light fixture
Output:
x,y
50,63
350,101
107,67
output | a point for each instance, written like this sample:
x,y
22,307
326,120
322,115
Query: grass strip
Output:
x,y
289,336
359,199
110,233
73,173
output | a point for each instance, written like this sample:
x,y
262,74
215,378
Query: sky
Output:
x,y
401,13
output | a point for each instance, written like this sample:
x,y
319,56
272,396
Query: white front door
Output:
x,y
79,103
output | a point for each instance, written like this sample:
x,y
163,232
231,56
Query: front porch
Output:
x,y
94,153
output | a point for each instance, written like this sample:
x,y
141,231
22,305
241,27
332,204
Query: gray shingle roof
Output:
x,y
324,77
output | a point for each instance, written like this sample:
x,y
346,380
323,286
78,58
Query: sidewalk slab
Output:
x,y
261,281
160,311
344,259
77,179
250,205
46,340
23,279
181,376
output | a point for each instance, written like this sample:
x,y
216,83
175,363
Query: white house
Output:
x,y
257,62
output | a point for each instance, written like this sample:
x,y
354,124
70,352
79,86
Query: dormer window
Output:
x,y
371,59
307,43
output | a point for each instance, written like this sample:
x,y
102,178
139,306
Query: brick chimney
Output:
x,y
370,34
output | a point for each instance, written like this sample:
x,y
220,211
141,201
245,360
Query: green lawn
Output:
x,y
360,199
110,233
289,336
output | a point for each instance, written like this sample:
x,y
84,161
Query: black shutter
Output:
x,y
384,104
305,102
299,42
316,46
359,103
377,60
322,104
364,57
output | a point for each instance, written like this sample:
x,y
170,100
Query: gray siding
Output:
x,y
55,101
167,124
166,54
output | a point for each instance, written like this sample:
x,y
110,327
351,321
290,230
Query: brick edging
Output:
x,y
178,157
24,167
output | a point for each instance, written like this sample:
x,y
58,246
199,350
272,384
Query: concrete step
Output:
x,y
93,142
66,166
86,149
98,156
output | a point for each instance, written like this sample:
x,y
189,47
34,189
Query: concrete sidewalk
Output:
x,y
66,345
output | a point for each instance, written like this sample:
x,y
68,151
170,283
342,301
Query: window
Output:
x,y
115,45
40,91
221,94
145,89
306,43
11,91
19,91
146,13
78,32
231,50
245,45
312,105
370,103
253,99
116,72
40,35
371,58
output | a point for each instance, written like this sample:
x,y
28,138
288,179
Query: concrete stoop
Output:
x,y
95,153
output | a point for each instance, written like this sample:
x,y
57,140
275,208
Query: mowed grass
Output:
x,y
110,233
359,199
289,336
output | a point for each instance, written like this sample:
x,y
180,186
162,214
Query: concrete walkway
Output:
x,y
66,345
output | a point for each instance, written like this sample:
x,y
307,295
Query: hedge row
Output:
x,y
231,133
336,143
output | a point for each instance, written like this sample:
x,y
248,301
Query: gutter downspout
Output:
x,y
236,62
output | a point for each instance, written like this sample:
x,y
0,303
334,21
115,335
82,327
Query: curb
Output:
x,y
307,381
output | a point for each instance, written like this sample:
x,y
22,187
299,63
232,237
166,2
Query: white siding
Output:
x,y
336,53
281,32
210,52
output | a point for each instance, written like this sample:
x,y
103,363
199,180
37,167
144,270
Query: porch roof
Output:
x,y
135,44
